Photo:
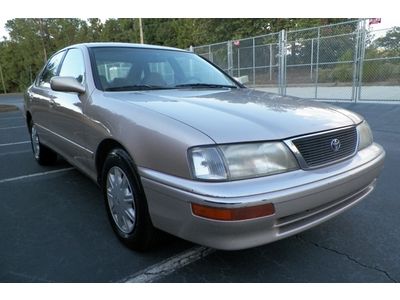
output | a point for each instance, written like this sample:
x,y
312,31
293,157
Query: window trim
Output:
x,y
37,81
95,73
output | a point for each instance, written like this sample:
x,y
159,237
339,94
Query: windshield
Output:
x,y
124,69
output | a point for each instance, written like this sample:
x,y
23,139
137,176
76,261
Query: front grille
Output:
x,y
319,149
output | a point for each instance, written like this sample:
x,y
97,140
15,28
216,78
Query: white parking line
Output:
x,y
169,265
17,143
15,152
11,118
35,175
14,127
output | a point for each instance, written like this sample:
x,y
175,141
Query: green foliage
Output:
x,y
381,71
342,73
373,71
119,30
375,68
32,42
390,42
347,55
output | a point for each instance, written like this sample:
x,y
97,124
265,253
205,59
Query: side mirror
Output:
x,y
66,84
242,79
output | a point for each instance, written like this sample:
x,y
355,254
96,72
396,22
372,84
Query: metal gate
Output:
x,y
344,62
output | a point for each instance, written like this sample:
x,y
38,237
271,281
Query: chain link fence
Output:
x,y
380,70
346,61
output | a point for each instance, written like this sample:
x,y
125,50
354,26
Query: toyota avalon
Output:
x,y
177,144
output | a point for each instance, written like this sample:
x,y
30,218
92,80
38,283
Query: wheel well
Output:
x,y
103,149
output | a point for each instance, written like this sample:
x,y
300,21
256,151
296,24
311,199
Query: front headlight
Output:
x,y
240,161
207,164
365,135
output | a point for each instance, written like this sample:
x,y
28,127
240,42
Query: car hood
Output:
x,y
237,115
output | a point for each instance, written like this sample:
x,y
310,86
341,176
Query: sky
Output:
x,y
208,8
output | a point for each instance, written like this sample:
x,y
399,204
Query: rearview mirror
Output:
x,y
66,84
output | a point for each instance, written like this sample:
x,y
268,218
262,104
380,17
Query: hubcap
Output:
x,y
121,200
35,142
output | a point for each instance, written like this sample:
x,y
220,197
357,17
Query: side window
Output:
x,y
50,70
73,65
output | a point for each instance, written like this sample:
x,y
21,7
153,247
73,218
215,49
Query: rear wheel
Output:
x,y
42,154
125,201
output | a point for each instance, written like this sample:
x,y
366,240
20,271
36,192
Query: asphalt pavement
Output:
x,y
54,228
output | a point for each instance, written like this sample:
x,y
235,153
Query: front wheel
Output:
x,y
125,201
42,154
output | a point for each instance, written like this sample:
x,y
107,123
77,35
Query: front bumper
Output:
x,y
302,199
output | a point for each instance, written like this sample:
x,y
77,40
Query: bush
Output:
x,y
340,73
379,71
373,71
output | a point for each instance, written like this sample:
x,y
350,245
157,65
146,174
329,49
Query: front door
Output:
x,y
69,122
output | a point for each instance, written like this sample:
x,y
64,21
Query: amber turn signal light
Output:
x,y
233,214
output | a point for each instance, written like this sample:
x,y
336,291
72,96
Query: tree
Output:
x,y
391,41
94,30
120,30
28,48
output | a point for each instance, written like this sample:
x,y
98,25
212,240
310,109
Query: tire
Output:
x,y
125,201
43,155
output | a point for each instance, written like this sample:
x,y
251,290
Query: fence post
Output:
x,y
282,65
2,80
355,64
254,62
238,60
270,62
361,58
312,58
230,57
317,63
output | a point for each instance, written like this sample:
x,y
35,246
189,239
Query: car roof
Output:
x,y
128,45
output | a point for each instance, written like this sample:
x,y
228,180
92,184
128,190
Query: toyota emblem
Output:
x,y
335,145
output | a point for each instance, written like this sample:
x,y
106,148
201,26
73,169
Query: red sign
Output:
x,y
374,21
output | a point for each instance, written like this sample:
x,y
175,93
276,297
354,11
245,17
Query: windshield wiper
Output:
x,y
137,87
205,85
